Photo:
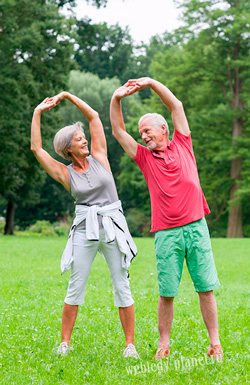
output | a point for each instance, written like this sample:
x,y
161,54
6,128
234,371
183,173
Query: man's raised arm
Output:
x,y
118,127
171,102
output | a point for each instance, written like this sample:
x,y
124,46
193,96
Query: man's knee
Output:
x,y
166,299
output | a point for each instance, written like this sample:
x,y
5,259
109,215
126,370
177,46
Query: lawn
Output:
x,y
32,294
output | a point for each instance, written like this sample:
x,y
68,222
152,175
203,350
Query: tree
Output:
x,y
35,59
104,51
72,3
109,51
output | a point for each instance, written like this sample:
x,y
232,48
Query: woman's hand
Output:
x,y
49,103
46,105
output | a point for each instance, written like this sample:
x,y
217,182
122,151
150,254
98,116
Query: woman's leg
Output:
x,y
122,294
68,321
83,257
127,317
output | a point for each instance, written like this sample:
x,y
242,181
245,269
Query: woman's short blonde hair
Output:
x,y
63,139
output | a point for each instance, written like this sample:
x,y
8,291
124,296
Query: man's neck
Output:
x,y
161,150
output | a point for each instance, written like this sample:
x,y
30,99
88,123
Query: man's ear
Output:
x,y
164,128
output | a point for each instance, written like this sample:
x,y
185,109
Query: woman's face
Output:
x,y
79,145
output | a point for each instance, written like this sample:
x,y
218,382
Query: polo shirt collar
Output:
x,y
168,147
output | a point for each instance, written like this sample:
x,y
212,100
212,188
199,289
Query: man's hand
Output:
x,y
135,85
57,98
124,91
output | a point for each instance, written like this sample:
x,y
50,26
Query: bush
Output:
x,y
62,229
2,225
246,230
138,223
42,228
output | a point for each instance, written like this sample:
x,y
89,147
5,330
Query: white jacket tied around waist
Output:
x,y
115,227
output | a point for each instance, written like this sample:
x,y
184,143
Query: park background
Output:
x,y
205,62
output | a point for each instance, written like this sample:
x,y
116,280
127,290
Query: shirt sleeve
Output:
x,y
184,141
141,155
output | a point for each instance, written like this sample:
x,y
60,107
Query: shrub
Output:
x,y
42,228
138,223
62,229
2,225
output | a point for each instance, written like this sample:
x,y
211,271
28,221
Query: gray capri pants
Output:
x,y
84,252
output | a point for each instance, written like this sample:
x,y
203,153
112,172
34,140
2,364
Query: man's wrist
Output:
x,y
65,95
117,99
151,82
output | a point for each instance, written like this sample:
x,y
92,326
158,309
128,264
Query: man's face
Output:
x,y
154,138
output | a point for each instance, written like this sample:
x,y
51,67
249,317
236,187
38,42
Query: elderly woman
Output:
x,y
99,223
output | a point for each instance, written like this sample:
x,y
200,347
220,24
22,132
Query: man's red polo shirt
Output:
x,y
173,182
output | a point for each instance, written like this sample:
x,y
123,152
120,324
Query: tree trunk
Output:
x,y
234,227
9,226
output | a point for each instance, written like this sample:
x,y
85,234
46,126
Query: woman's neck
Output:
x,y
80,165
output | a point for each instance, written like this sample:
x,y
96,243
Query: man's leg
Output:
x,y
201,266
170,253
209,314
68,321
165,319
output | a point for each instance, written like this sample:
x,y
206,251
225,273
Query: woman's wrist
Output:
x,y
38,111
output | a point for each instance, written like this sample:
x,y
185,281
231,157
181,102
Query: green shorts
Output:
x,y
192,242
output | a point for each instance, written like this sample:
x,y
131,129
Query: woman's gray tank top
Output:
x,y
96,186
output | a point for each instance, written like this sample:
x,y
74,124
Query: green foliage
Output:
x,y
104,51
109,51
35,59
43,228
206,64
54,204
72,3
2,225
31,307
61,230
138,222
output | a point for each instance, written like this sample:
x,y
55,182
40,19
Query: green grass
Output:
x,y
32,294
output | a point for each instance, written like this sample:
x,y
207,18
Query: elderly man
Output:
x,y
178,207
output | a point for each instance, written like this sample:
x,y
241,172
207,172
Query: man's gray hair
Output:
x,y
63,139
156,119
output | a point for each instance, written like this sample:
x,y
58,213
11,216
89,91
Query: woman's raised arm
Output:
x,y
55,169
